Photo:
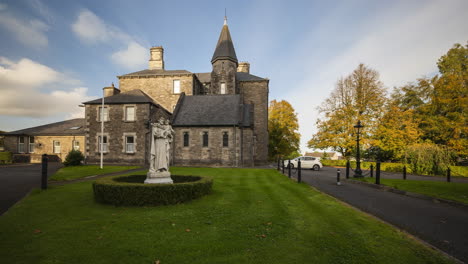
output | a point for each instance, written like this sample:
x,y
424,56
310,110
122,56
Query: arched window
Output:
x,y
225,139
186,139
205,139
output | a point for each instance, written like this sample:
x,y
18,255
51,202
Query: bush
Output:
x,y
5,157
130,190
74,158
21,158
429,159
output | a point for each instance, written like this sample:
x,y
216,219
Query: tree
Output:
x,y
283,129
359,96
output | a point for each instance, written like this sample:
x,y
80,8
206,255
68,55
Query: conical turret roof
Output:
x,y
225,48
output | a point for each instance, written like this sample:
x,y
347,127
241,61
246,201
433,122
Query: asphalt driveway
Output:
x,y
17,180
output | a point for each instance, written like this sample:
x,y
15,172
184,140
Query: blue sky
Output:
x,y
56,54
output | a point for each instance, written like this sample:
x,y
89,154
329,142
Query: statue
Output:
x,y
161,139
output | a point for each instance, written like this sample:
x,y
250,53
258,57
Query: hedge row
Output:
x,y
130,190
391,167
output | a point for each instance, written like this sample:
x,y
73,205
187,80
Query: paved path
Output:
x,y
17,180
441,225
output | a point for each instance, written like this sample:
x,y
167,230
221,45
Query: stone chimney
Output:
x,y
110,91
156,61
243,67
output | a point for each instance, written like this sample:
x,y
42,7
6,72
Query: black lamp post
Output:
x,y
358,171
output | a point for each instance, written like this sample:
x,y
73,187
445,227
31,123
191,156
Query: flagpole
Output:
x,y
102,129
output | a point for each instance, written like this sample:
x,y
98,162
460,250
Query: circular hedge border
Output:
x,y
130,190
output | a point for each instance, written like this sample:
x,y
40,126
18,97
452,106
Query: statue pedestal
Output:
x,y
161,177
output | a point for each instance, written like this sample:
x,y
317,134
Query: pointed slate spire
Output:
x,y
225,48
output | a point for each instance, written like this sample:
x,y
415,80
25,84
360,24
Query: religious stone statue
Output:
x,y
161,140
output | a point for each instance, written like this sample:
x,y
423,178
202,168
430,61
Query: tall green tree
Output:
x,y
283,129
358,96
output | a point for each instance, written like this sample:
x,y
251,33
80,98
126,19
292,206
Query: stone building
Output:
x,y
56,139
126,137
220,117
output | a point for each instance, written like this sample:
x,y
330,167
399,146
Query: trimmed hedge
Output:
x,y
5,157
130,190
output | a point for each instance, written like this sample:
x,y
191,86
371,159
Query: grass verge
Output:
x,y
252,216
445,190
77,172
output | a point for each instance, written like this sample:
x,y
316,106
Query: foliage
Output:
x,y
252,216
5,157
430,159
131,190
283,129
78,172
21,158
358,96
444,190
378,154
74,158
325,156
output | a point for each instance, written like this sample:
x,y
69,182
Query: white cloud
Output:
x,y
29,32
25,85
93,30
134,56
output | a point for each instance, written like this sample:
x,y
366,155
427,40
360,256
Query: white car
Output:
x,y
306,163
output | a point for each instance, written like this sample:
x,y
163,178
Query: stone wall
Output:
x,y
223,71
213,155
160,88
45,145
256,92
116,129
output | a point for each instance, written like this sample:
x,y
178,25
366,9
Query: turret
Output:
x,y
224,61
156,61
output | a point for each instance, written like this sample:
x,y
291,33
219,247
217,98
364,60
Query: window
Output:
x,y
205,139
225,139
21,144
103,146
130,144
76,145
104,115
31,144
186,139
176,85
57,148
129,113
223,88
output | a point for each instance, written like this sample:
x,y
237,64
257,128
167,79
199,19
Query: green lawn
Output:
x,y
445,190
252,216
76,172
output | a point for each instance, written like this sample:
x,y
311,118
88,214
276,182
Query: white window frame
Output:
x,y
222,88
31,145
21,144
105,145
133,117
129,147
57,148
75,145
176,86
106,113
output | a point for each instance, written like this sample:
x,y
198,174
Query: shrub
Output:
x,y
74,158
21,158
428,158
5,157
130,190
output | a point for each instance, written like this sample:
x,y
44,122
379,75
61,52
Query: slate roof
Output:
x,y
210,110
225,47
155,73
62,128
131,97
205,77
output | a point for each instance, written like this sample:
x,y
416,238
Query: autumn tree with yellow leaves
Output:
x,y
283,129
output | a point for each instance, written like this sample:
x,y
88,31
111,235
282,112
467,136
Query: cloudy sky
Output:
x,y
56,54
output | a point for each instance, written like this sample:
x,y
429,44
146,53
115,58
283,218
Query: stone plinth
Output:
x,y
161,177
